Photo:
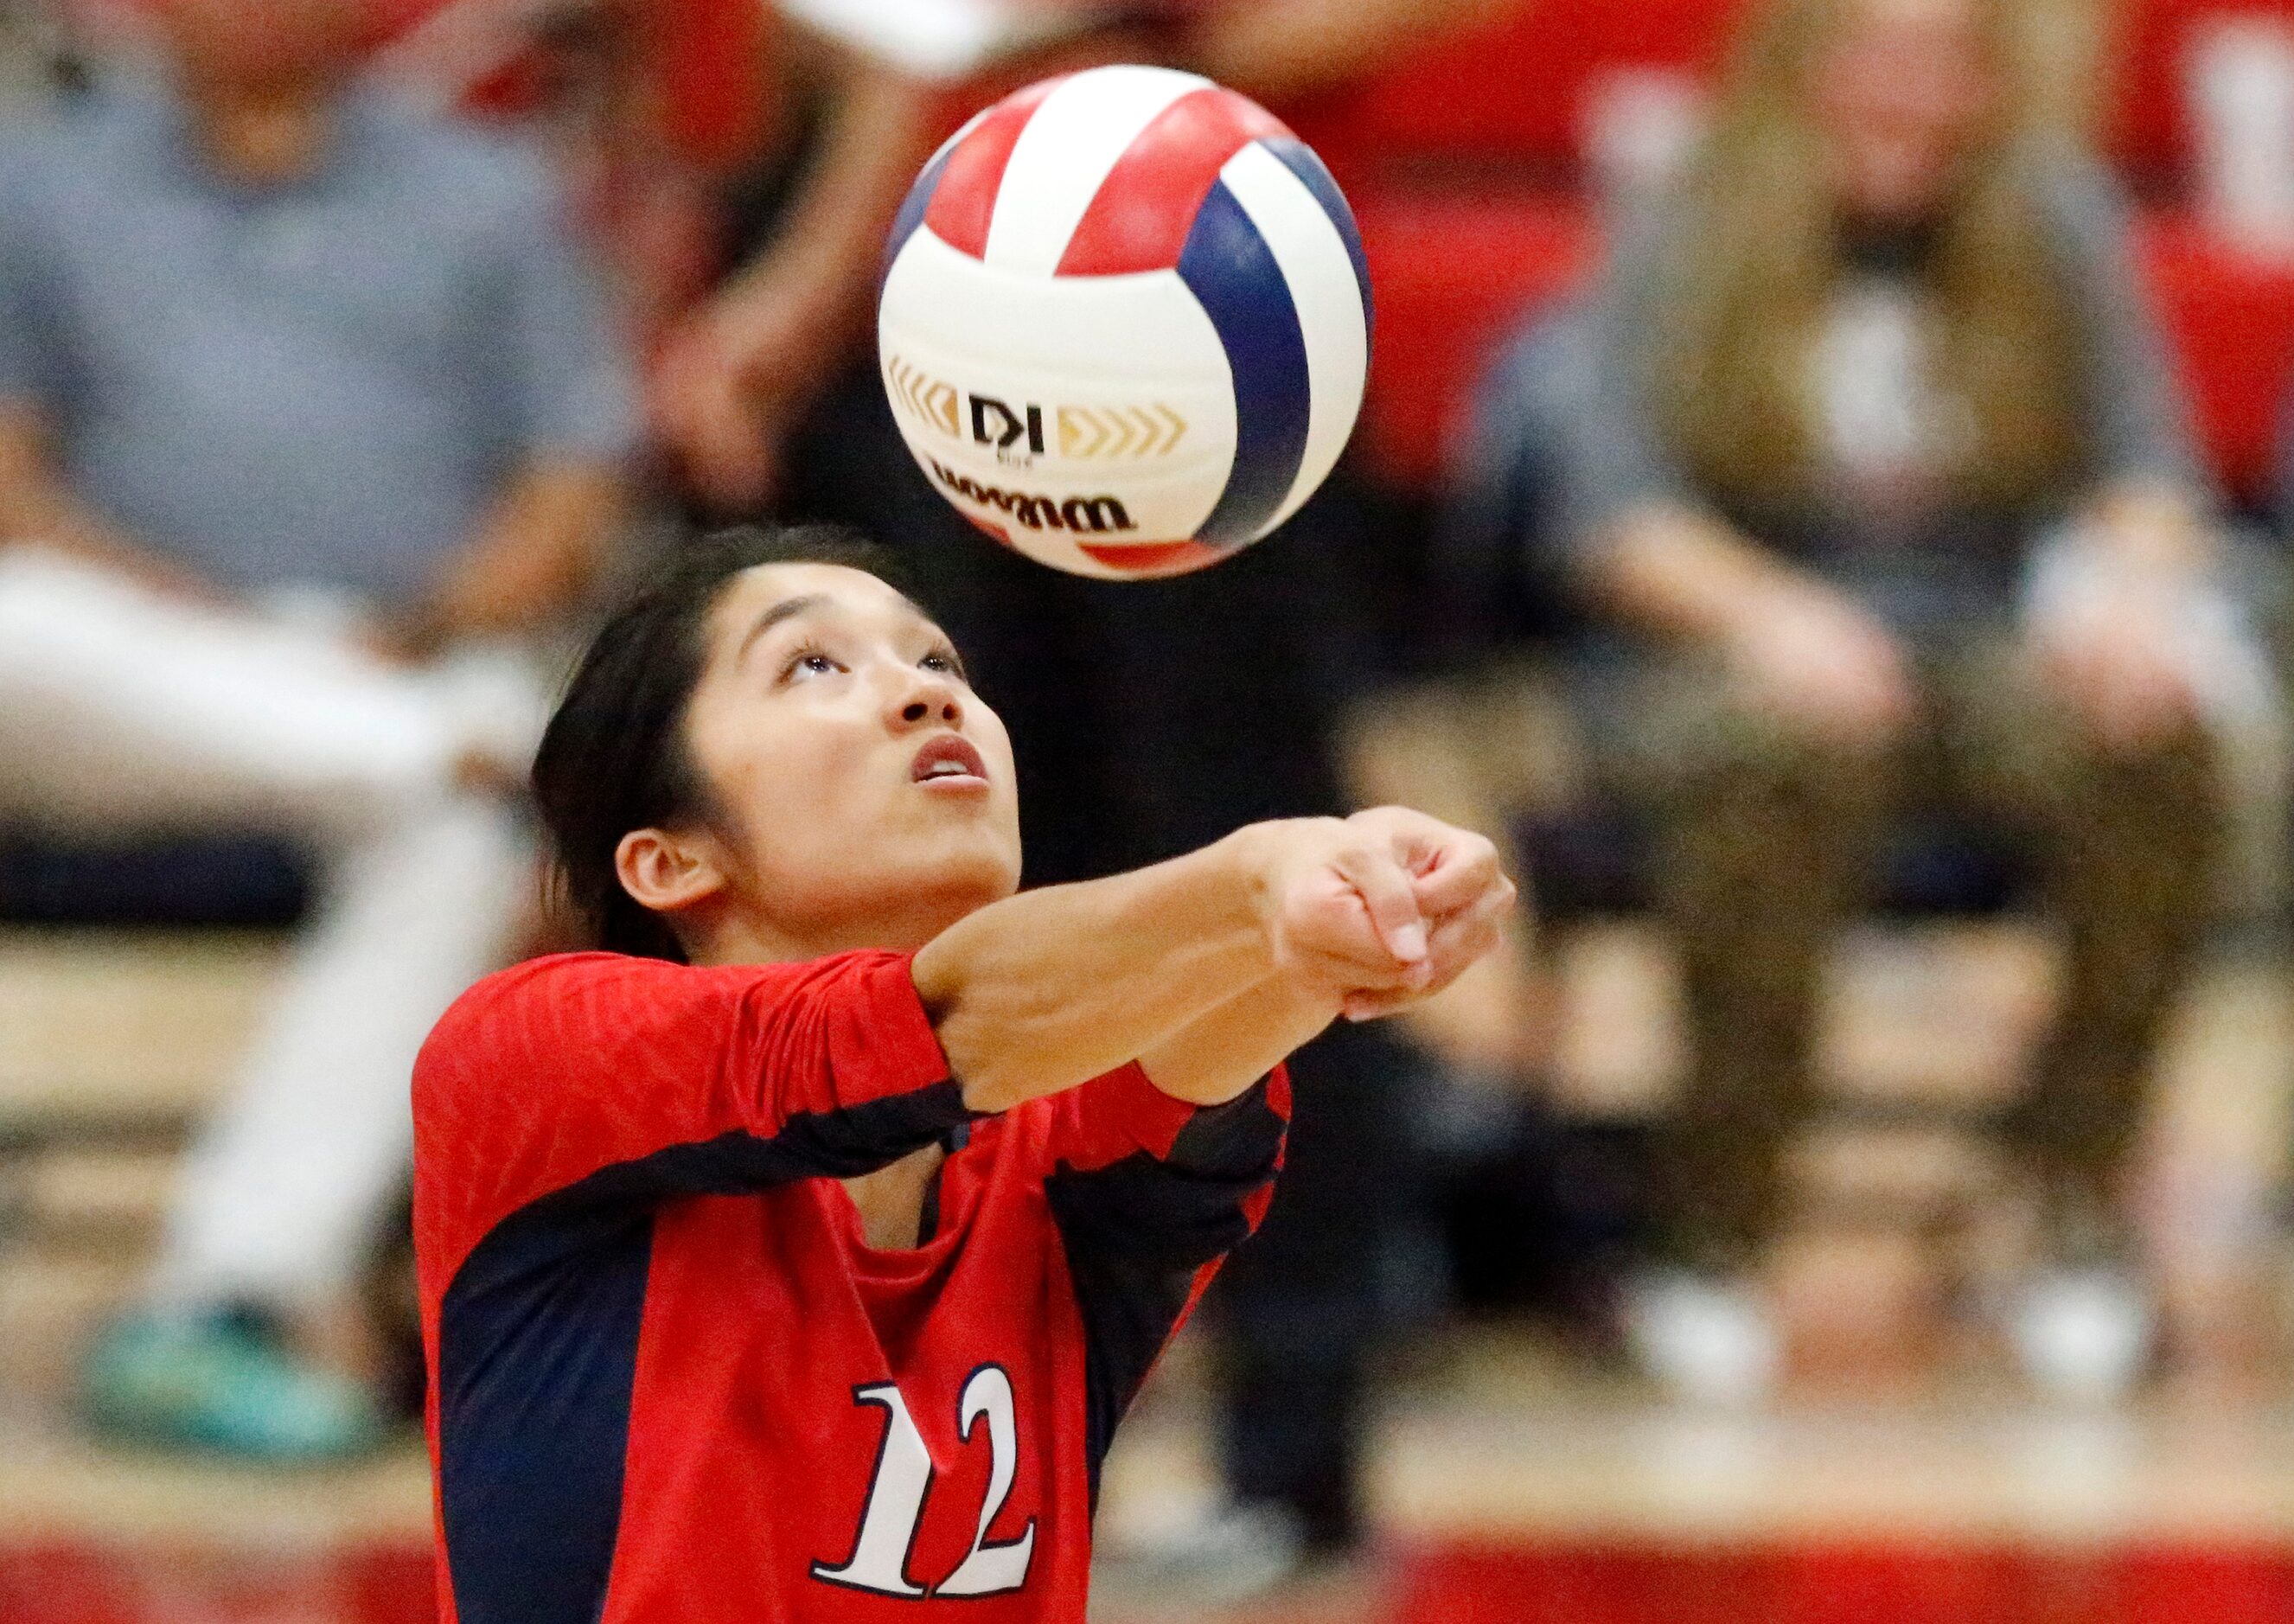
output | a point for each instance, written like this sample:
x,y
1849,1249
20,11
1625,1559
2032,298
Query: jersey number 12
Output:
x,y
896,1498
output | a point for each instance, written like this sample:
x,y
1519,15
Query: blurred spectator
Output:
x,y
308,420
653,111
733,378
1868,445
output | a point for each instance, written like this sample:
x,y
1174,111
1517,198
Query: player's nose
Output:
x,y
923,699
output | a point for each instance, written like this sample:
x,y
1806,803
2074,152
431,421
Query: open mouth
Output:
x,y
952,760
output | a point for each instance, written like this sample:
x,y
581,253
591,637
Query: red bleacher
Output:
x,y
2147,127
1516,88
1841,1580
2229,317
1452,274
1620,1579
703,77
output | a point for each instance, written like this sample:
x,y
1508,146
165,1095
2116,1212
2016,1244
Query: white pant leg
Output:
x,y
279,1199
122,708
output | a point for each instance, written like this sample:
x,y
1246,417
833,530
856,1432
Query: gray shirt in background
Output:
x,y
1570,400
321,385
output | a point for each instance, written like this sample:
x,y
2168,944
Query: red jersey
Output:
x,y
669,1379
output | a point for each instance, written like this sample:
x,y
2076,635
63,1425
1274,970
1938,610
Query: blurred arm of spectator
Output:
x,y
530,562
1278,48
2144,547
1795,646
37,508
733,379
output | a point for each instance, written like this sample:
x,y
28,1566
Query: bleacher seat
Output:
x,y
1515,89
1453,273
112,1044
2229,316
701,75
2147,123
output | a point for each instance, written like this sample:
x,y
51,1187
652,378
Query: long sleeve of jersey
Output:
x,y
594,1081
1150,1195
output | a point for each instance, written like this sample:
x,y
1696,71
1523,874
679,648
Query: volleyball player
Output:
x,y
796,1255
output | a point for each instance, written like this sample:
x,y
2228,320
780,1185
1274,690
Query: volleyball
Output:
x,y
1125,322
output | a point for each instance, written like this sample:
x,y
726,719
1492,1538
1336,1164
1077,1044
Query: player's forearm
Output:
x,y
1050,988
1218,1055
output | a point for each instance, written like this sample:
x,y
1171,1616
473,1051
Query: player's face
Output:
x,y
863,791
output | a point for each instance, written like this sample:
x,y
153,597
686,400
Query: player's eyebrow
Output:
x,y
788,608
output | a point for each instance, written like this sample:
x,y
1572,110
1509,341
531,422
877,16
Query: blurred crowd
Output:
x,y
1841,489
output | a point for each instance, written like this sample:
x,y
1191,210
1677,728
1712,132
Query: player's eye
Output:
x,y
810,660
945,661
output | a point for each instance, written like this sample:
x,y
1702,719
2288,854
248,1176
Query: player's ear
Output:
x,y
668,872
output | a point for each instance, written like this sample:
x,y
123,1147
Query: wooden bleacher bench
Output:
x,y
108,1035
112,1044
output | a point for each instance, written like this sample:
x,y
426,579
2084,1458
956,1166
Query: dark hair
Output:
x,y
613,757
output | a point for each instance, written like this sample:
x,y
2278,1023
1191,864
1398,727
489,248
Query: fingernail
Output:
x,y
1410,943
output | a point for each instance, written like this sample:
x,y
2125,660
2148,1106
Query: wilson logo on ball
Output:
x,y
1145,291
1095,515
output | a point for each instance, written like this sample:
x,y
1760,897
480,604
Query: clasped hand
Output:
x,y
1381,909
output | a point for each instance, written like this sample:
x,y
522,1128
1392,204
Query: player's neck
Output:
x,y
892,1199
740,937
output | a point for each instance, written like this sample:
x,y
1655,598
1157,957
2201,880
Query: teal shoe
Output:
x,y
216,1383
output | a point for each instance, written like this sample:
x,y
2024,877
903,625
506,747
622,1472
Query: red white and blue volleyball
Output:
x,y
1125,322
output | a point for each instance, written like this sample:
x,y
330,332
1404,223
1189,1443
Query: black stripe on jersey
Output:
x,y
538,1352
537,1357
1136,1232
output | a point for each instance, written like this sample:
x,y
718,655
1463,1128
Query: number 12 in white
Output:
x,y
903,1477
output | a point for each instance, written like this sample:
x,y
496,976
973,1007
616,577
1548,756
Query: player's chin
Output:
x,y
961,818
978,862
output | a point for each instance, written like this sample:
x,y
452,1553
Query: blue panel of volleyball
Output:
x,y
1125,322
